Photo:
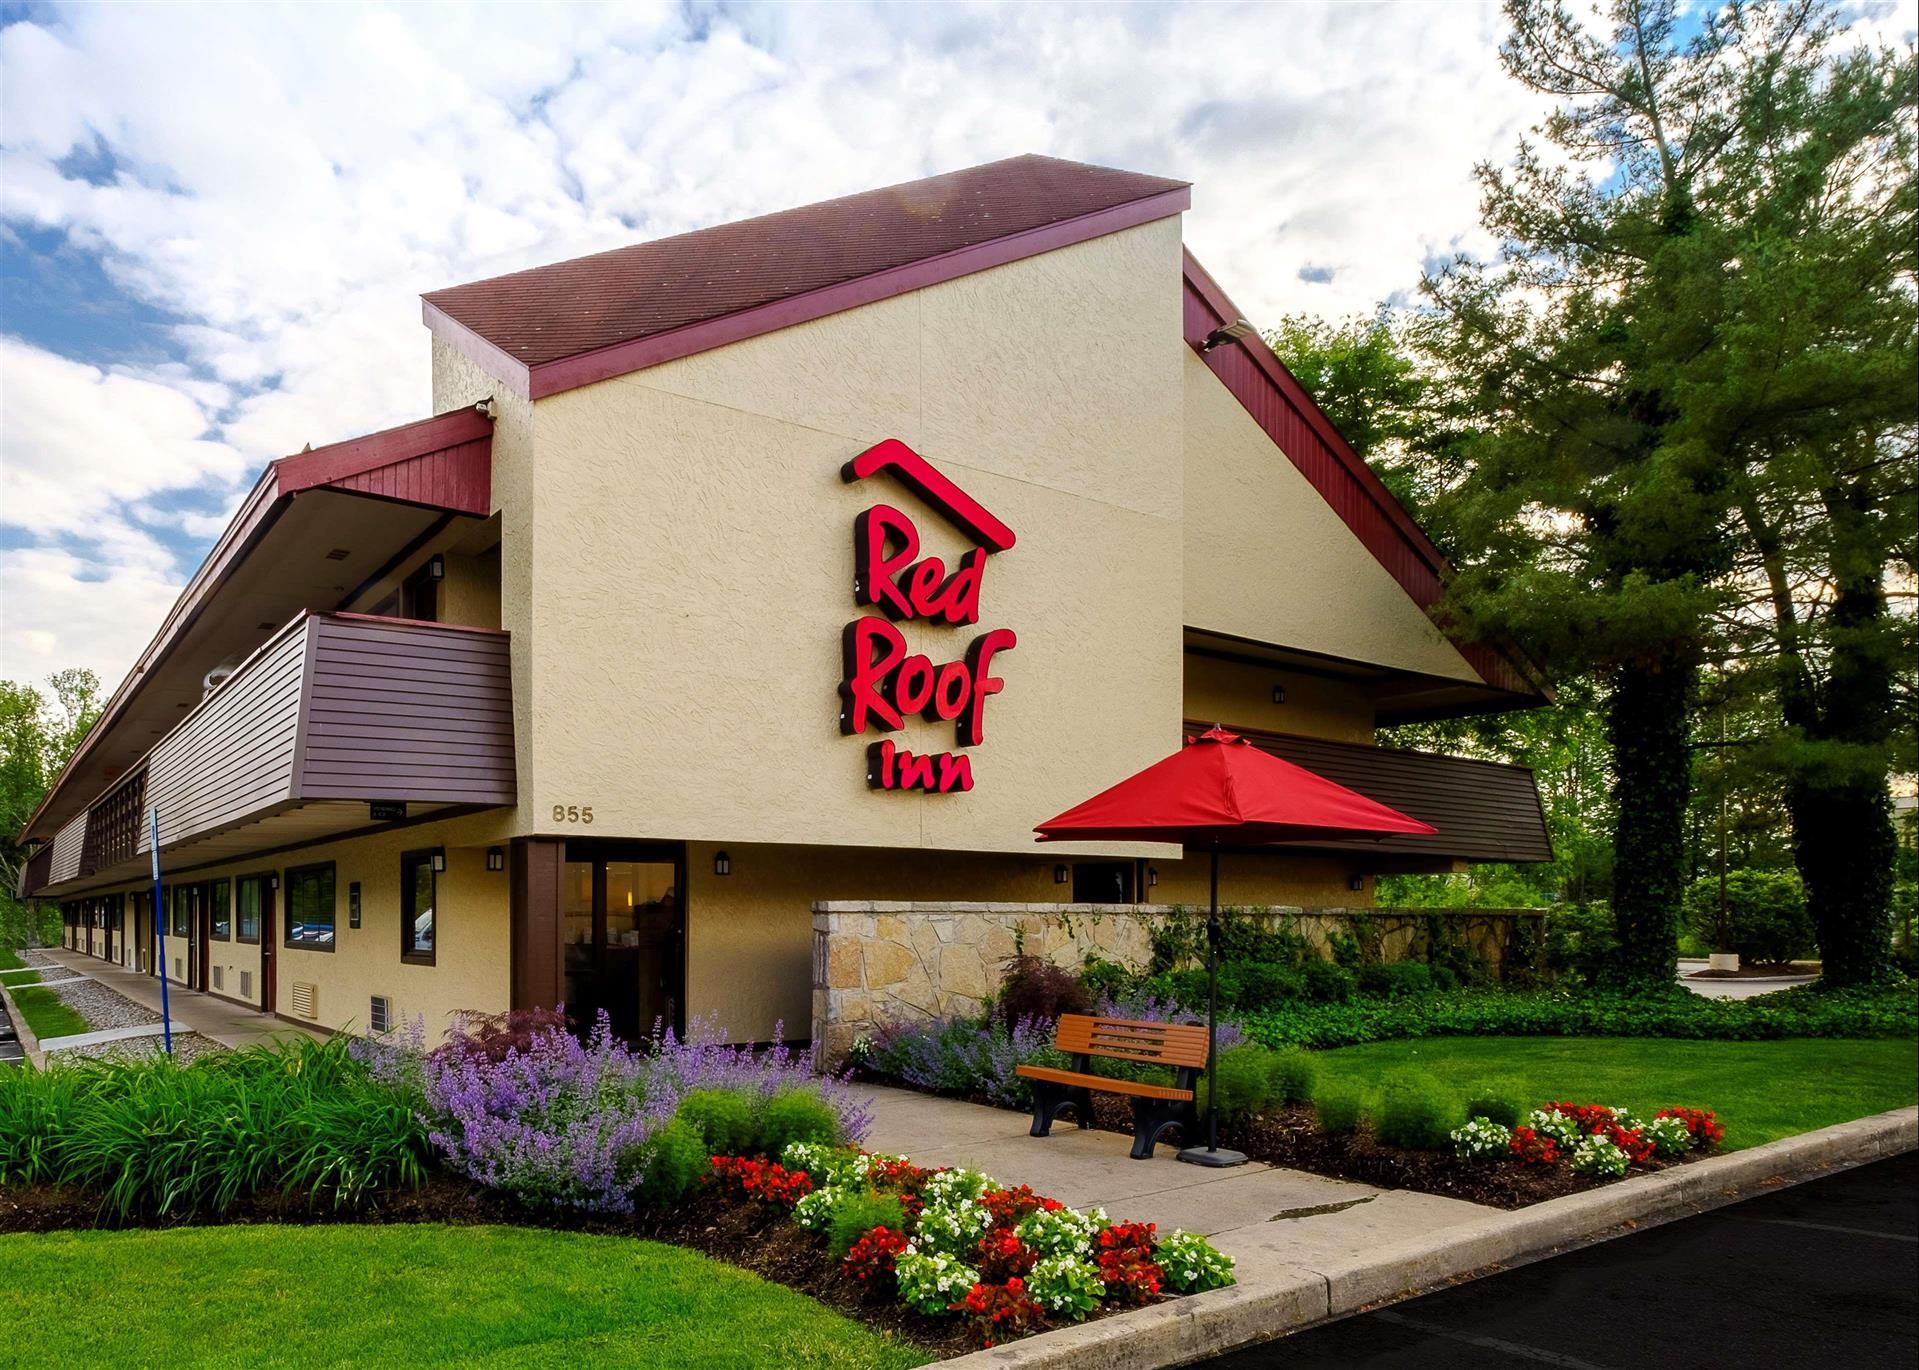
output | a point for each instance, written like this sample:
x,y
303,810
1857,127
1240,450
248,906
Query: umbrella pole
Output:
x,y
1210,1154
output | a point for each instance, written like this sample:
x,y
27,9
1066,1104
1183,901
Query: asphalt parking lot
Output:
x,y
1819,1275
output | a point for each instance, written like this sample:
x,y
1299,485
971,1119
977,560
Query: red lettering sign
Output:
x,y
882,683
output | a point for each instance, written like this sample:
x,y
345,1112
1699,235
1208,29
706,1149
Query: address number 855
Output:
x,y
572,813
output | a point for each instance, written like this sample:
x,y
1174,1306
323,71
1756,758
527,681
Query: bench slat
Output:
x,y
1122,1039
1102,1083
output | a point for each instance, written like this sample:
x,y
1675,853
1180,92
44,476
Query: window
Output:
x,y
181,919
219,893
252,894
420,595
419,895
310,907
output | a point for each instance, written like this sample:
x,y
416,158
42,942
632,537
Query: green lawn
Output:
x,y
425,1295
47,1013
1761,1090
9,960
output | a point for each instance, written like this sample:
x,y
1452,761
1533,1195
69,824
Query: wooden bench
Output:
x,y
1182,1046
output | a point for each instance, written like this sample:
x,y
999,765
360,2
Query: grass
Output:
x,y
47,1013
466,1296
13,979
1762,1091
10,960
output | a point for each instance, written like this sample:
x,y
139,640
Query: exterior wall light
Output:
x,y
1061,874
439,862
1225,333
1358,882
1279,694
722,863
1152,877
496,858
436,567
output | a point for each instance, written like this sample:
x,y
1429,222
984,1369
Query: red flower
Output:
x,y
872,1256
898,1174
1000,1312
1534,1148
1126,1264
767,1181
1003,1256
1633,1142
1706,1130
1007,1206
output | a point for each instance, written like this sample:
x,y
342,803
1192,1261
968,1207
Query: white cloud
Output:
x,y
286,180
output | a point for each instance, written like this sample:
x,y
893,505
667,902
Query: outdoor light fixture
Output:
x,y
436,567
273,882
1061,875
439,862
1279,694
1358,882
722,863
1225,333
1152,877
496,858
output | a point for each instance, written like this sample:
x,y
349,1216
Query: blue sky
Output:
x,y
215,221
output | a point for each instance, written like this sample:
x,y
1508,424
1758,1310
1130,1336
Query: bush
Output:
x,y
1291,1075
1766,910
1257,984
797,1114
1339,1108
1036,988
857,1214
1395,978
491,1036
1327,982
1501,1101
1103,979
675,1159
725,1118
1580,939
1245,1083
1414,1111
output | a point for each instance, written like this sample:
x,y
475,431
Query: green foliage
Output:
x,y
155,1138
857,1214
1889,1011
1768,923
1328,983
1258,983
1291,1075
677,1158
1415,1111
1339,1107
37,735
797,1114
47,1013
1105,979
1395,978
1245,1082
725,1117
1580,940
1503,1101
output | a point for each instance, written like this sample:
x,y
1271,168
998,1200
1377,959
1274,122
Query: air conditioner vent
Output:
x,y
380,1013
179,970
219,977
246,984
306,1000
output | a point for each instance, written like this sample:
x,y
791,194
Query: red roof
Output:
x,y
637,306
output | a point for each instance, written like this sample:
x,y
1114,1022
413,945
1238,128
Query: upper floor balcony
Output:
x,y
339,721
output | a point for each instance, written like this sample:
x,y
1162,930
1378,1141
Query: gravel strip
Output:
x,y
33,956
102,1007
187,1046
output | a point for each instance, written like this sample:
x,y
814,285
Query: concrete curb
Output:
x,y
22,1033
1202,1325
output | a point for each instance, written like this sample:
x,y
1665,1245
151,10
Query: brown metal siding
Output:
x,y
233,756
408,711
1484,811
68,844
34,872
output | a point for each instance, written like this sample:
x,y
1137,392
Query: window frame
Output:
x,y
409,954
288,879
216,888
262,882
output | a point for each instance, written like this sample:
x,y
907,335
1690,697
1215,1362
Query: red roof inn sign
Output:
x,y
882,682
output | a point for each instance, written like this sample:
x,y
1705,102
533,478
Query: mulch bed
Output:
x,y
1291,1137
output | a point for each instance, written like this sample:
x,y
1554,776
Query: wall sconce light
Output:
x,y
436,567
1279,694
496,858
1225,333
273,882
1152,877
439,862
1358,882
722,863
1061,874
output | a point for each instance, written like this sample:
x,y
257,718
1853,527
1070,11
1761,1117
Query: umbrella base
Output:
x,y
1217,1159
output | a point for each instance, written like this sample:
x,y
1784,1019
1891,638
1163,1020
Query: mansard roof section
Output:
x,y
1279,404
572,323
315,525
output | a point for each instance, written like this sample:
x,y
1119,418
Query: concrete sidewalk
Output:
x,y
1278,1225
218,1020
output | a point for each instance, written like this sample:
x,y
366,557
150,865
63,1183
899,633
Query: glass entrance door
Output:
x,y
625,933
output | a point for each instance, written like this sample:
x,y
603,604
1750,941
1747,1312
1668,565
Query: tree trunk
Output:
x,y
1647,722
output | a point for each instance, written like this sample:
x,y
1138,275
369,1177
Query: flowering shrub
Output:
x,y
823,1164
814,1211
1669,1136
932,1281
872,1257
1008,1206
1003,1255
953,1228
1600,1157
1191,1264
1700,1122
1532,1147
1068,1285
1554,1127
1000,1312
1482,1140
952,1186
768,1181
1126,1265
1061,1231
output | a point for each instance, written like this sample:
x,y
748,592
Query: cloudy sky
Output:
x,y
215,221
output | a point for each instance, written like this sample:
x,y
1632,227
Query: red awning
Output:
x,y
1219,789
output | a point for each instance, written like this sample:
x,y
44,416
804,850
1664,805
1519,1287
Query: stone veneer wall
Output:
x,y
876,963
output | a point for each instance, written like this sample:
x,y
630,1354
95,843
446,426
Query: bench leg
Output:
x,y
1050,1099
1151,1117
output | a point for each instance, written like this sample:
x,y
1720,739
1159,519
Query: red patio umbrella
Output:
x,y
1220,790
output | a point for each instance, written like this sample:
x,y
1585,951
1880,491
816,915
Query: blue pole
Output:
x,y
159,929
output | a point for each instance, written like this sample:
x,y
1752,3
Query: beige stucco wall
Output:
x,y
1267,559
688,628
1263,878
1240,694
